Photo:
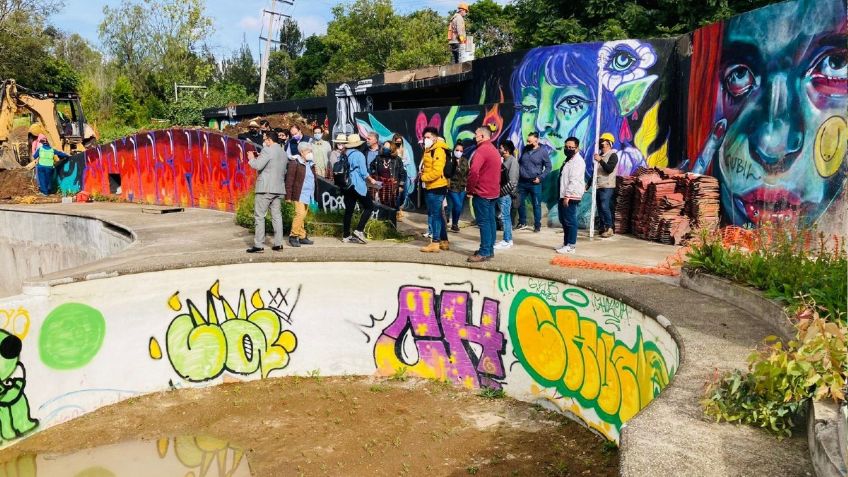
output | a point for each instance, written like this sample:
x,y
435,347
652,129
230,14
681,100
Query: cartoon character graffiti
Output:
x,y
443,343
563,350
15,420
779,92
202,348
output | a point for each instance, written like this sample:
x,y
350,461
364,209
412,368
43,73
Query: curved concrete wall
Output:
x,y
92,343
36,243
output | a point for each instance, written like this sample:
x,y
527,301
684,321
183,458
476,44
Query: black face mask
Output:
x,y
569,153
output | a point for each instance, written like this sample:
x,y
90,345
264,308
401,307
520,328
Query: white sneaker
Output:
x,y
428,235
566,249
349,239
360,237
503,244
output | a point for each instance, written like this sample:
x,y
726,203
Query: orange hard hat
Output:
x,y
463,6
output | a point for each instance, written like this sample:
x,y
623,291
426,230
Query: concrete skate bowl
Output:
x,y
92,343
33,244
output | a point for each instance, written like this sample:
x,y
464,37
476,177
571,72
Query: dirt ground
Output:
x,y
285,121
349,426
18,186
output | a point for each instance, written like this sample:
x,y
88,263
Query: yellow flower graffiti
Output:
x,y
200,347
568,352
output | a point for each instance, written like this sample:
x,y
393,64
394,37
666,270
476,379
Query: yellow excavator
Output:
x,y
58,116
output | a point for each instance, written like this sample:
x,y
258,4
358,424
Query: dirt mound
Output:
x,y
285,121
18,186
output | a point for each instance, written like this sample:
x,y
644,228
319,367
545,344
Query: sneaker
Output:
x,y
277,248
306,241
566,249
349,239
444,245
360,236
607,233
427,235
294,242
522,227
537,230
477,259
432,247
503,244
255,250
454,228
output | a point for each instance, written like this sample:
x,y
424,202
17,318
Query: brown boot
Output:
x,y
607,233
399,216
432,248
444,245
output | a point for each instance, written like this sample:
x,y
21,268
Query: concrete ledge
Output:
x,y
746,298
826,448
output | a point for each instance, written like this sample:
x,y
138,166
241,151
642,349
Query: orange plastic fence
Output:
x,y
663,269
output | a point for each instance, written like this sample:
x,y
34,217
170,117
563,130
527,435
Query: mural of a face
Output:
x,y
783,94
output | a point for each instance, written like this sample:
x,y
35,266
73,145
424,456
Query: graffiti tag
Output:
x,y
613,310
546,288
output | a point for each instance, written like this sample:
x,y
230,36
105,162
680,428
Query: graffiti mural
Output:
x,y
442,342
563,349
201,348
767,113
15,419
181,167
15,321
71,336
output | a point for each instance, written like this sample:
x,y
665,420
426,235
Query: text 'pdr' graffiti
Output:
x,y
444,342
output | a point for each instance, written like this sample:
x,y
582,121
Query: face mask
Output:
x,y
457,154
309,157
428,143
297,137
317,136
387,151
569,153
399,144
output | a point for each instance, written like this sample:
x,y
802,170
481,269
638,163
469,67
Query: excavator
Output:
x,y
58,116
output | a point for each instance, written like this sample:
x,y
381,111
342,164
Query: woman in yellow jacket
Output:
x,y
436,188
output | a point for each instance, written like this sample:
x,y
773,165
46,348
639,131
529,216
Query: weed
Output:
x,y
491,393
377,388
314,374
609,447
472,469
558,469
400,374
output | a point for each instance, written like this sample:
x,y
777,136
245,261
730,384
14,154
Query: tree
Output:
x,y
492,27
361,37
291,38
422,41
310,67
188,111
241,69
280,75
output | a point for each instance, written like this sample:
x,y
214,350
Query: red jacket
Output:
x,y
484,177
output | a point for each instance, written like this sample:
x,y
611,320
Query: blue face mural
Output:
x,y
779,135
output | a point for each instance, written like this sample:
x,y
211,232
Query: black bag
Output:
x,y
341,173
451,165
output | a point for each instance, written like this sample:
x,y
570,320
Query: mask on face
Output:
x,y
399,144
570,153
428,143
297,137
309,156
457,154
317,136
387,151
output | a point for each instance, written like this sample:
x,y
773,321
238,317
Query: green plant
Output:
x,y
609,447
491,393
472,469
400,374
376,388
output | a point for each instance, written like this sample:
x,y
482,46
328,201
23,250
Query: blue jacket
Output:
x,y
358,171
534,163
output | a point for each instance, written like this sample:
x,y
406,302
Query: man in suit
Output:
x,y
270,188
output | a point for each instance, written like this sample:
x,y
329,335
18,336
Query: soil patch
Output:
x,y
349,426
284,121
18,186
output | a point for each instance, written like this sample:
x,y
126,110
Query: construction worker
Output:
x,y
456,31
45,169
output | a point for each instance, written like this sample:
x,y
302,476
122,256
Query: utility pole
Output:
x,y
273,16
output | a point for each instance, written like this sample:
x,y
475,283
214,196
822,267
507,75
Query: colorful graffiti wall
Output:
x,y
88,344
767,105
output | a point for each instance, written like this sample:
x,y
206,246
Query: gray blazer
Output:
x,y
271,165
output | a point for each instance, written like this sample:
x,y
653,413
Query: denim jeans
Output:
x,y
604,197
484,211
436,215
535,192
45,178
506,216
456,200
568,219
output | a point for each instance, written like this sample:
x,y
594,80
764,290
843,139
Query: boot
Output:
x,y
444,245
399,216
294,242
433,247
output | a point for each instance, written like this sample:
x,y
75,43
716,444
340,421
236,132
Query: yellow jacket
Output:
x,y
433,166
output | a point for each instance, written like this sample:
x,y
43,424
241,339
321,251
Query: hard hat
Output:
x,y
608,137
463,6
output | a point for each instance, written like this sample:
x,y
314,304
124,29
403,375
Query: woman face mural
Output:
x,y
781,131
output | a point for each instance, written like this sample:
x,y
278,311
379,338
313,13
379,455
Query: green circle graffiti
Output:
x,y
71,336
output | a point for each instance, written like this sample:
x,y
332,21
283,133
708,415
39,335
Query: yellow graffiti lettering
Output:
x,y
15,321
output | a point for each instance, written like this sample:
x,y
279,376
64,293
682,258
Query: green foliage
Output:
x,y
240,69
492,26
400,374
188,111
782,266
490,393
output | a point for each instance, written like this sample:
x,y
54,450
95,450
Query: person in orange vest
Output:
x,y
45,170
456,30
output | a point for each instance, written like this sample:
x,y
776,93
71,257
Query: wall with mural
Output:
x,y
89,344
767,105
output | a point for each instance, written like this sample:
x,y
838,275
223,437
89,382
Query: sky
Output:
x,y
234,20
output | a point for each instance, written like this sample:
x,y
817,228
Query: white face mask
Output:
x,y
318,136
309,156
428,143
457,154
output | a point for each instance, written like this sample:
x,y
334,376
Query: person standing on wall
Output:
x,y
436,187
533,166
606,162
456,31
456,189
320,150
45,169
357,193
508,183
301,184
572,185
483,188
270,187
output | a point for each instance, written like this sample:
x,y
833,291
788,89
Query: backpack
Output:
x,y
341,173
451,166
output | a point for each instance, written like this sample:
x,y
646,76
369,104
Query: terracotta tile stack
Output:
x,y
703,202
623,203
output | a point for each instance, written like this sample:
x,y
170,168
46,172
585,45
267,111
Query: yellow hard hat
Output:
x,y
608,137
463,6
